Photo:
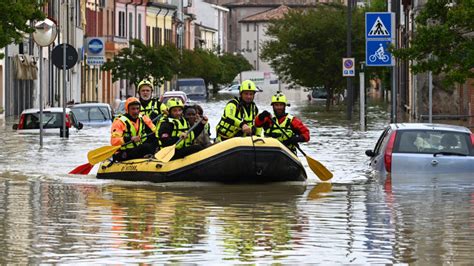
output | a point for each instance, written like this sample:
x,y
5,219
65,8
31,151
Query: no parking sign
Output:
x,y
348,69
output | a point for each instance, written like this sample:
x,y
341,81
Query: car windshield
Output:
x,y
50,120
431,141
91,113
193,89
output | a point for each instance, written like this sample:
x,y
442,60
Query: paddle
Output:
x,y
318,168
101,154
165,154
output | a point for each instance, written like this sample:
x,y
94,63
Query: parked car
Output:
x,y
234,90
412,149
174,94
93,114
120,109
195,88
319,93
52,121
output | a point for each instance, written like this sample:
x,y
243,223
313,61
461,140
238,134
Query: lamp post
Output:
x,y
44,35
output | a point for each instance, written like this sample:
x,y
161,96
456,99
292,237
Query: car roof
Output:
x,y
90,104
50,109
429,126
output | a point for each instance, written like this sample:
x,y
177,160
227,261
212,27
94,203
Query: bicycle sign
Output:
x,y
379,34
377,54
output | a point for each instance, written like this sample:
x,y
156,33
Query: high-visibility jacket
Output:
x,y
176,127
236,114
153,109
275,132
123,129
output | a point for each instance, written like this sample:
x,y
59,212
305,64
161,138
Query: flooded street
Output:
x,y
48,216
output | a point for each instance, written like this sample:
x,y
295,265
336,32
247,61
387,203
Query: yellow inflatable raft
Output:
x,y
237,160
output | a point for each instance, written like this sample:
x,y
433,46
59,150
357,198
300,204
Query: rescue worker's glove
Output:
x,y
295,139
263,115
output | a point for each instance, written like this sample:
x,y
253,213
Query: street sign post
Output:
x,y
379,35
348,68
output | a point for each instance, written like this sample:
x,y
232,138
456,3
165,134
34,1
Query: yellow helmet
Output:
x,y
174,102
247,85
279,98
143,83
131,101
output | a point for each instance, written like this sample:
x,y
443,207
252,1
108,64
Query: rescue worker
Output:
x,y
130,127
239,115
174,126
149,106
294,130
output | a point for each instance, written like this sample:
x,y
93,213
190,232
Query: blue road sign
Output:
x,y
379,25
377,54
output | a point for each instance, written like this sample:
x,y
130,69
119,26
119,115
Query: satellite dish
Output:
x,y
45,33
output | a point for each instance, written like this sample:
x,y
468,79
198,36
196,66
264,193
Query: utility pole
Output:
x,y
350,97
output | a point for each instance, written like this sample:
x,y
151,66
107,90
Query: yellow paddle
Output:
x,y
318,168
165,154
103,153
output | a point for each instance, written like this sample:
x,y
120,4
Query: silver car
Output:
x,y
410,150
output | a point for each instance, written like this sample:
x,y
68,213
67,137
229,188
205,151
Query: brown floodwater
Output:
x,y
48,216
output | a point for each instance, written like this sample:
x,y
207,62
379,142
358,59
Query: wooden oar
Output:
x,y
165,154
318,168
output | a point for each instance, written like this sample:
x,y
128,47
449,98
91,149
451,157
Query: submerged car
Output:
x,y
93,114
234,90
52,121
414,149
195,88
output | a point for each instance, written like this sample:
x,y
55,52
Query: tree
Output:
x,y
307,47
16,16
233,65
443,40
141,61
201,63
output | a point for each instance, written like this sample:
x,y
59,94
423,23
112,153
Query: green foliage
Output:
x,y
233,65
307,47
140,61
201,63
444,31
16,16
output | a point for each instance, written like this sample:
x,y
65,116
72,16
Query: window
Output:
x,y
147,35
255,64
255,27
432,141
130,26
121,24
139,27
254,45
248,45
248,25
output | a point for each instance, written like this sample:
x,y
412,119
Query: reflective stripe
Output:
x,y
152,109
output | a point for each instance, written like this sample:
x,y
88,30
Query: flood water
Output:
x,y
48,216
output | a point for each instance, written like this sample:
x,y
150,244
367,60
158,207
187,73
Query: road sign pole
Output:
x,y
362,97
350,97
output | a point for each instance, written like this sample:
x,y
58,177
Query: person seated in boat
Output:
x,y
239,115
192,113
174,126
150,106
288,129
130,127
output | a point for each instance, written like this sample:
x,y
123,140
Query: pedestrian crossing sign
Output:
x,y
379,25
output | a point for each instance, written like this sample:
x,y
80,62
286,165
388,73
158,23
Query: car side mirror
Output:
x,y
370,153
15,126
79,125
288,104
